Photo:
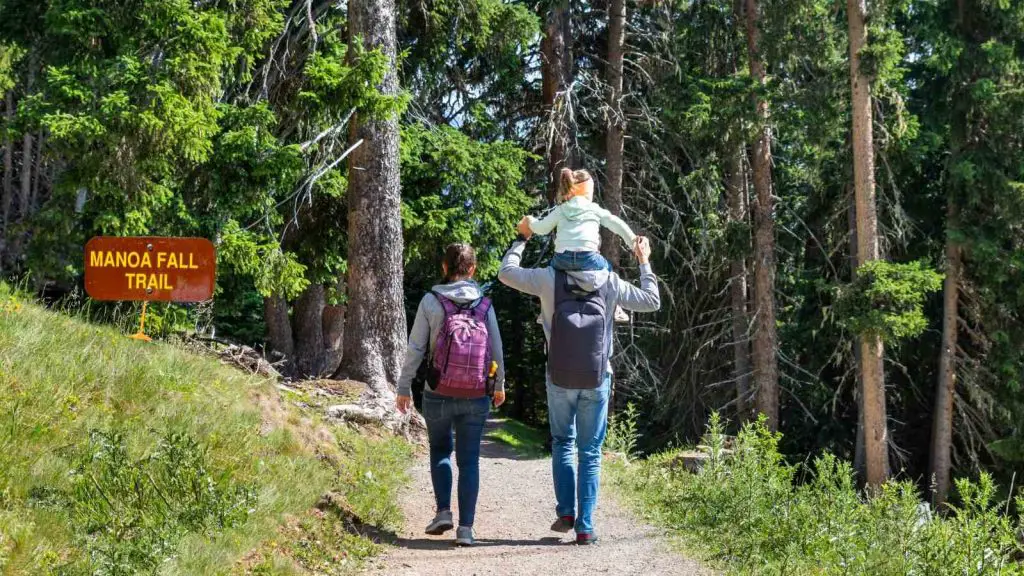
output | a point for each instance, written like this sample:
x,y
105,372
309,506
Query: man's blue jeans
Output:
x,y
466,417
579,420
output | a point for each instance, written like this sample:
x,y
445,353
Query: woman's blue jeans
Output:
x,y
466,418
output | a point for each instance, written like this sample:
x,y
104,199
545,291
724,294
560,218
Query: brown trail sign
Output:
x,y
150,269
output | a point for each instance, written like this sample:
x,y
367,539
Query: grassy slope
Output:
x,y
123,457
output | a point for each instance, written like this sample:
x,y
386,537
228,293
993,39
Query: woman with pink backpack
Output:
x,y
457,329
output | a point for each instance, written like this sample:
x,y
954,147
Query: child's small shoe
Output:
x,y
620,315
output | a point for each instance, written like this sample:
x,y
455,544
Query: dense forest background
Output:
x,y
835,191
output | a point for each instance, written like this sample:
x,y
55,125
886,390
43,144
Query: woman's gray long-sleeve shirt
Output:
x,y
430,317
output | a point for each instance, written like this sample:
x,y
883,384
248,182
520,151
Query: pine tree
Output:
x,y
872,393
615,131
766,368
556,78
376,314
736,200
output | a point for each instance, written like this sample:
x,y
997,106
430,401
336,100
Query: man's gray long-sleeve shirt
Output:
x,y
540,282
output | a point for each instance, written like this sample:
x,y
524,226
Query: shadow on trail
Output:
x,y
435,544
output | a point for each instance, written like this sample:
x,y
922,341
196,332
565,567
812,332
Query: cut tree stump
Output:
x,y
693,460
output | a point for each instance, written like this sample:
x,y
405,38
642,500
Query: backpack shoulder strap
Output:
x,y
482,307
448,306
561,286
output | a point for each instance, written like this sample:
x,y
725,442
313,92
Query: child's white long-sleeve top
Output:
x,y
579,222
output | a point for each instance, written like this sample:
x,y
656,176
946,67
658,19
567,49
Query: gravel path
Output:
x,y
515,509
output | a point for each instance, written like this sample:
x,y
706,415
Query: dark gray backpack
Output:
x,y
578,351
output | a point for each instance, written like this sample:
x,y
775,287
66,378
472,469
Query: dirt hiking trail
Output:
x,y
514,512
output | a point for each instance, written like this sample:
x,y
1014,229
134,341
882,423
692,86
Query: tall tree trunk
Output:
x,y
334,336
37,176
766,368
736,190
616,126
309,332
942,426
26,146
26,175
8,185
858,457
279,327
876,454
376,315
556,77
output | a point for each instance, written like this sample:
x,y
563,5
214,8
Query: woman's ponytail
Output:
x,y
459,261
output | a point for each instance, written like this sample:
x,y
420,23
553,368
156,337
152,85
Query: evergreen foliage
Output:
x,y
230,120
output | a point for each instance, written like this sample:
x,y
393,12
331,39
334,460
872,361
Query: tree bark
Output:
x,y
37,175
766,368
334,336
736,190
616,126
26,175
26,146
876,455
376,315
309,332
556,77
279,326
942,426
8,185
858,454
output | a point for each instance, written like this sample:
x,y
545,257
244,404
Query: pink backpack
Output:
x,y
462,353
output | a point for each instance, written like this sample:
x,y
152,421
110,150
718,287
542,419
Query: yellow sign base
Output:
x,y
141,334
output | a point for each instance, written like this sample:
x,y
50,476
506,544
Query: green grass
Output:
x,y
122,457
524,439
745,513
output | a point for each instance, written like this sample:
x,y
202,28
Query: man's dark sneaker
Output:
x,y
586,539
564,524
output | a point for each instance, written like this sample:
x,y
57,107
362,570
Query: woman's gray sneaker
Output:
x,y
441,523
464,536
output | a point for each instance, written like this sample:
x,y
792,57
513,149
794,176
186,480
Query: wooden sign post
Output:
x,y
150,269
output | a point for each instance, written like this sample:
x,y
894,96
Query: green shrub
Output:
x,y
744,510
622,434
131,512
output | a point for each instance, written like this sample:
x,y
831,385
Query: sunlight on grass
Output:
x,y
524,439
745,511
121,457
